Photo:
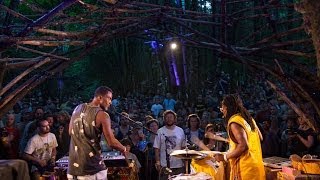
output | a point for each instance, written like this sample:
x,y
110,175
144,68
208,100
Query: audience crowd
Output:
x,y
41,121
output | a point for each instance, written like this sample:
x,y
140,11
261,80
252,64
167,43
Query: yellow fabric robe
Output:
x,y
249,166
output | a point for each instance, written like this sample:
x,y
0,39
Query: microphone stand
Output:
x,y
167,154
134,122
187,160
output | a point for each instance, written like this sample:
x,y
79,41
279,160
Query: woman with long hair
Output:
x,y
244,155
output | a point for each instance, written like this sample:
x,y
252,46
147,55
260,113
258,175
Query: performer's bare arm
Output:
x,y
103,119
157,158
157,154
238,135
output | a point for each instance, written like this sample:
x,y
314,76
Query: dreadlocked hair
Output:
x,y
234,106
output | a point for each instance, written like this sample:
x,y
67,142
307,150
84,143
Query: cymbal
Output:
x,y
188,154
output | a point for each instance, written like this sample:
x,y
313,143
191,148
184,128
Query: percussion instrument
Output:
x,y
118,166
114,159
197,176
63,162
188,154
111,159
276,162
47,176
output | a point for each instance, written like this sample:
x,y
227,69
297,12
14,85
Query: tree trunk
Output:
x,y
311,17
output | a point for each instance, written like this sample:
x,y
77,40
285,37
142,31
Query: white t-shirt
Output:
x,y
41,147
175,141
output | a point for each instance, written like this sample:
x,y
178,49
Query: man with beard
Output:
x,y
124,128
244,155
41,150
30,128
170,137
88,122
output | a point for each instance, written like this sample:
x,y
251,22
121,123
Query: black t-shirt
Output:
x,y
297,146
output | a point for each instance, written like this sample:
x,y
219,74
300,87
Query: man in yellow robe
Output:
x,y
244,155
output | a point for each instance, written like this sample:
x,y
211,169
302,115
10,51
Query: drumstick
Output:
x,y
198,142
210,135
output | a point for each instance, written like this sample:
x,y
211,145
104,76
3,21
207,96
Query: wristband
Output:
x,y
225,157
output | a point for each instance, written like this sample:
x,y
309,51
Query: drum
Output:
x,y
197,176
123,173
60,173
209,166
47,176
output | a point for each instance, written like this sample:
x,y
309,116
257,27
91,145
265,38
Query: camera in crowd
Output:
x,y
292,131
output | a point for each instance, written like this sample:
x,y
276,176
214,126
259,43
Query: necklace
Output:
x,y
45,142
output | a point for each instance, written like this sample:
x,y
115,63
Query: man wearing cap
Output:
x,y
137,139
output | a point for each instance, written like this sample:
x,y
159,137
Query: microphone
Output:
x,y
111,110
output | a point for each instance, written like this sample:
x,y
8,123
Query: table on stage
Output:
x,y
118,167
14,169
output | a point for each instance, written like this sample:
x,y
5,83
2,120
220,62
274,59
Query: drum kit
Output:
x,y
188,155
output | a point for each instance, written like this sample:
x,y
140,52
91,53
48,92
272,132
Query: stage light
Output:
x,y
173,46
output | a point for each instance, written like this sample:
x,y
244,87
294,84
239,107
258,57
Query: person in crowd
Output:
x,y
128,144
63,140
156,108
303,139
88,122
286,142
26,107
193,130
50,118
170,137
124,128
139,145
63,118
200,105
271,142
264,111
151,172
17,113
244,155
31,127
25,119
10,137
205,119
50,106
160,118
40,151
213,144
169,103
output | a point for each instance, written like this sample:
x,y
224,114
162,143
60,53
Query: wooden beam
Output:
x,y
22,75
